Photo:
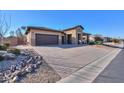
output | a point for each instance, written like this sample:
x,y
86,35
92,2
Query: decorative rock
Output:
x,y
23,72
1,74
13,68
9,56
39,58
26,63
2,79
29,61
22,64
8,76
16,73
15,79
29,68
2,52
35,66
39,62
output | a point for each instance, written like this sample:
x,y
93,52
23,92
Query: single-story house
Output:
x,y
37,36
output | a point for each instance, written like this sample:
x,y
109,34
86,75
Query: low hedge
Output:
x,y
98,42
3,47
92,43
14,51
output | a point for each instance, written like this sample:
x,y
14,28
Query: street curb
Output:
x,y
89,73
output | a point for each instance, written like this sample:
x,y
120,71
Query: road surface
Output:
x,y
114,72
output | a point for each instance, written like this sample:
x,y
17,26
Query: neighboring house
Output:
x,y
10,40
107,39
92,38
13,41
37,36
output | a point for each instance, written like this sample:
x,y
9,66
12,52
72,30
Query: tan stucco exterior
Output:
x,y
76,35
31,35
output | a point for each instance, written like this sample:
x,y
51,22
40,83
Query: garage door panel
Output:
x,y
43,39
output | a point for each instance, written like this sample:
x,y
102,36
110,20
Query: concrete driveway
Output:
x,y
67,59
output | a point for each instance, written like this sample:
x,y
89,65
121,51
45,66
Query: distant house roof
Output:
x,y
84,33
49,29
73,28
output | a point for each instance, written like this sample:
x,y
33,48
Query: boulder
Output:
x,y
23,72
40,58
2,52
17,73
2,78
9,56
15,79
39,62
35,66
29,60
29,68
12,68
1,74
22,64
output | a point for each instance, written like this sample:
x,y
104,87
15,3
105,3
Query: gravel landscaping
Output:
x,y
27,67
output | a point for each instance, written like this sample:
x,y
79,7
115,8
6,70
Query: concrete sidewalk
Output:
x,y
89,73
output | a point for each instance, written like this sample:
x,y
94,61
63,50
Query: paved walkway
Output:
x,y
114,73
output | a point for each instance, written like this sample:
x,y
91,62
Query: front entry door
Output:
x,y
69,38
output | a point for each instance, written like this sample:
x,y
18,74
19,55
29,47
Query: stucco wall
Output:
x,y
75,33
79,30
31,36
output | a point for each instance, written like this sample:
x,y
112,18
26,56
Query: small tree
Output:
x,y
20,35
12,33
4,26
98,40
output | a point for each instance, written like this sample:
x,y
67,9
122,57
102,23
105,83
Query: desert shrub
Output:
x,y
7,45
1,58
3,47
115,41
14,51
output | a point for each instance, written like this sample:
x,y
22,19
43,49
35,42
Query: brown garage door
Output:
x,y
43,39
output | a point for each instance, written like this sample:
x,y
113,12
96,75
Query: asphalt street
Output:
x,y
114,72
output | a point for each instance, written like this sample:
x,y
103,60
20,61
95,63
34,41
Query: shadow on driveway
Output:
x,y
64,46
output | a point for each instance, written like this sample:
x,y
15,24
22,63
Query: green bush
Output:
x,y
98,42
3,47
14,51
1,58
92,43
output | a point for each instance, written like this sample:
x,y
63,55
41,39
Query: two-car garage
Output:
x,y
46,39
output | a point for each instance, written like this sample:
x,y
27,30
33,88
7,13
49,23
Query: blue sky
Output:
x,y
107,23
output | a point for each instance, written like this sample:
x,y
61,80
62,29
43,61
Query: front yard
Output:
x,y
25,66
43,64
67,59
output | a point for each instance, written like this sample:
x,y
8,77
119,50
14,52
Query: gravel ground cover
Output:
x,y
27,67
